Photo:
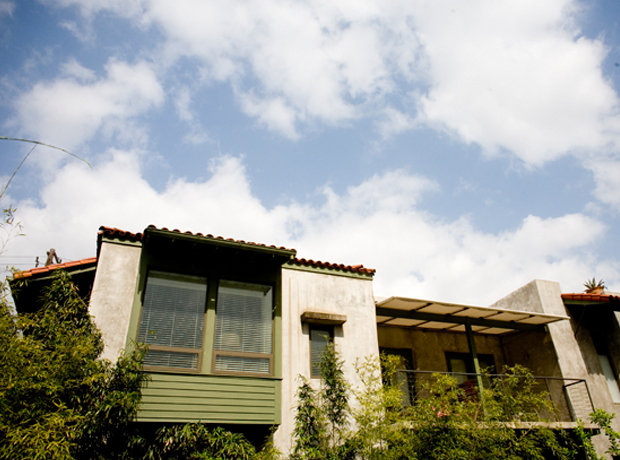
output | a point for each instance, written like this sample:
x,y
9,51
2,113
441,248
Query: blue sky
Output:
x,y
460,148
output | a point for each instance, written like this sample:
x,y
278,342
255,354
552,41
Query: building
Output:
x,y
232,324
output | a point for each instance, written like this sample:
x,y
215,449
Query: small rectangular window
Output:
x,y
172,320
610,377
462,366
244,328
320,337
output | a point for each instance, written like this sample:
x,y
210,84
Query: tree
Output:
x,y
57,399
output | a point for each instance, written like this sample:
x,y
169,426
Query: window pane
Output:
x,y
172,314
244,324
171,359
319,339
612,383
242,364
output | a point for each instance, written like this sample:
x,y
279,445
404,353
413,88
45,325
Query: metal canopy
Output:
x,y
428,314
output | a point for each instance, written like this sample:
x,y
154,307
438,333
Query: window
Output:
x,y
320,337
610,377
462,363
244,328
404,380
173,320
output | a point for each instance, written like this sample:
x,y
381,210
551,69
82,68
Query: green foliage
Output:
x,y
323,416
194,441
603,420
592,284
444,422
57,399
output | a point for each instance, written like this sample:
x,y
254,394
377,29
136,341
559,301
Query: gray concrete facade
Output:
x,y
113,293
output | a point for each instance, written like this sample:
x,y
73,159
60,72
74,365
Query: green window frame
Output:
x,y
463,363
172,321
243,342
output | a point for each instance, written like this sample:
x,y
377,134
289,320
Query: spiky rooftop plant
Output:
x,y
593,285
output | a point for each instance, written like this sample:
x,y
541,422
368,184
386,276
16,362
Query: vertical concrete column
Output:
x,y
113,292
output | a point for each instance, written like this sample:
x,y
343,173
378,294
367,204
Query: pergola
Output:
x,y
471,319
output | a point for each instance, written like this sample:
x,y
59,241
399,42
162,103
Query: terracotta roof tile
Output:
x,y
117,233
210,236
113,232
321,264
122,234
49,268
607,298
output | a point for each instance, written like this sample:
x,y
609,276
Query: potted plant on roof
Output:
x,y
594,287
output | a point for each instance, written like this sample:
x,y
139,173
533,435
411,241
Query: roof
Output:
x,y
112,232
116,233
39,271
429,314
593,298
319,264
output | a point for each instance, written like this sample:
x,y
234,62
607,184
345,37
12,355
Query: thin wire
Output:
x,y
16,169
46,145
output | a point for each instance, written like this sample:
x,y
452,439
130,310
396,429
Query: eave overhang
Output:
x,y
279,255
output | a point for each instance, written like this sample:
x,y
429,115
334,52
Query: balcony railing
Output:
x,y
571,398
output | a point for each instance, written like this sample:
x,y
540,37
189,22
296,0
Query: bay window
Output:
x,y
173,324
173,320
244,328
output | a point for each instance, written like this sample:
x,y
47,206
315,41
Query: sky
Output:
x,y
462,149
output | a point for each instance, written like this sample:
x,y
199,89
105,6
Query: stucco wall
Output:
x,y
429,348
113,294
356,339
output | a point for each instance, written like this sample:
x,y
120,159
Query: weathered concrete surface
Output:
x,y
355,339
113,294
574,348
429,348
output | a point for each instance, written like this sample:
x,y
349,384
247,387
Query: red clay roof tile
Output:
x,y
117,233
589,297
348,268
49,268
121,234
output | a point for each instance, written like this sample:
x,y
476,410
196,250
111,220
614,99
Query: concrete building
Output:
x,y
231,325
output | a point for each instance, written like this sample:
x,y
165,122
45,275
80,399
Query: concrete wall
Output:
x,y
429,348
113,294
574,349
356,339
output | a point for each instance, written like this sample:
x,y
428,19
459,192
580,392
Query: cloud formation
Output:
x,y
510,75
377,222
71,109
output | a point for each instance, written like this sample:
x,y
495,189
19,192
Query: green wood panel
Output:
x,y
210,399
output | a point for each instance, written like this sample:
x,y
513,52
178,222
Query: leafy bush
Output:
x,y
448,423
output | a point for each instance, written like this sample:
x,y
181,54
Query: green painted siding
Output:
x,y
210,399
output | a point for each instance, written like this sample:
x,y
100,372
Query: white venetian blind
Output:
x,y
244,325
173,317
320,337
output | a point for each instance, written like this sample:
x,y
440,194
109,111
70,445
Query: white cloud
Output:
x,y
516,76
70,110
377,223
607,176
510,75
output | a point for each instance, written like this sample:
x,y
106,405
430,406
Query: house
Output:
x,y
232,324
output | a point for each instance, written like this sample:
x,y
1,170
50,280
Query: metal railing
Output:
x,y
571,398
